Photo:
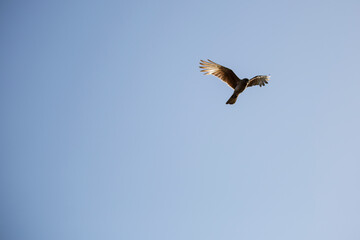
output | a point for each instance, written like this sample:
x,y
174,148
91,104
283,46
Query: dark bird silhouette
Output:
x,y
228,76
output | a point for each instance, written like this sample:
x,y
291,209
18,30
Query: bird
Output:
x,y
229,77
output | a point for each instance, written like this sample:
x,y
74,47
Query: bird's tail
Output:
x,y
232,99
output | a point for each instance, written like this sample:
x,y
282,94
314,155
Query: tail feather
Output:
x,y
232,99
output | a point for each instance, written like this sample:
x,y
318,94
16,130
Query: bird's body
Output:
x,y
228,76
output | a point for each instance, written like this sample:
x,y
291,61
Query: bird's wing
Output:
x,y
225,74
260,80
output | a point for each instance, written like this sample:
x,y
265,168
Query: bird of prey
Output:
x,y
228,76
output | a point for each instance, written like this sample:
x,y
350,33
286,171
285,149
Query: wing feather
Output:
x,y
225,74
260,80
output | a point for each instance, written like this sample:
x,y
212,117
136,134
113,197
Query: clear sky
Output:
x,y
109,131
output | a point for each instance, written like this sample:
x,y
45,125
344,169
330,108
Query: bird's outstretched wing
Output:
x,y
260,80
225,74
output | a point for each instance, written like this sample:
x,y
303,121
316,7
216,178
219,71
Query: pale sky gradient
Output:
x,y
109,131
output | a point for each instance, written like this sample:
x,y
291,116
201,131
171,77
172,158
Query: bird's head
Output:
x,y
246,80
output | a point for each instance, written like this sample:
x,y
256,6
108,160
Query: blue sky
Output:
x,y
109,131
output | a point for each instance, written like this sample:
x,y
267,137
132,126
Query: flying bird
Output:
x,y
228,76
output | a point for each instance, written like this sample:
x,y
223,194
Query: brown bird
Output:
x,y
228,76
